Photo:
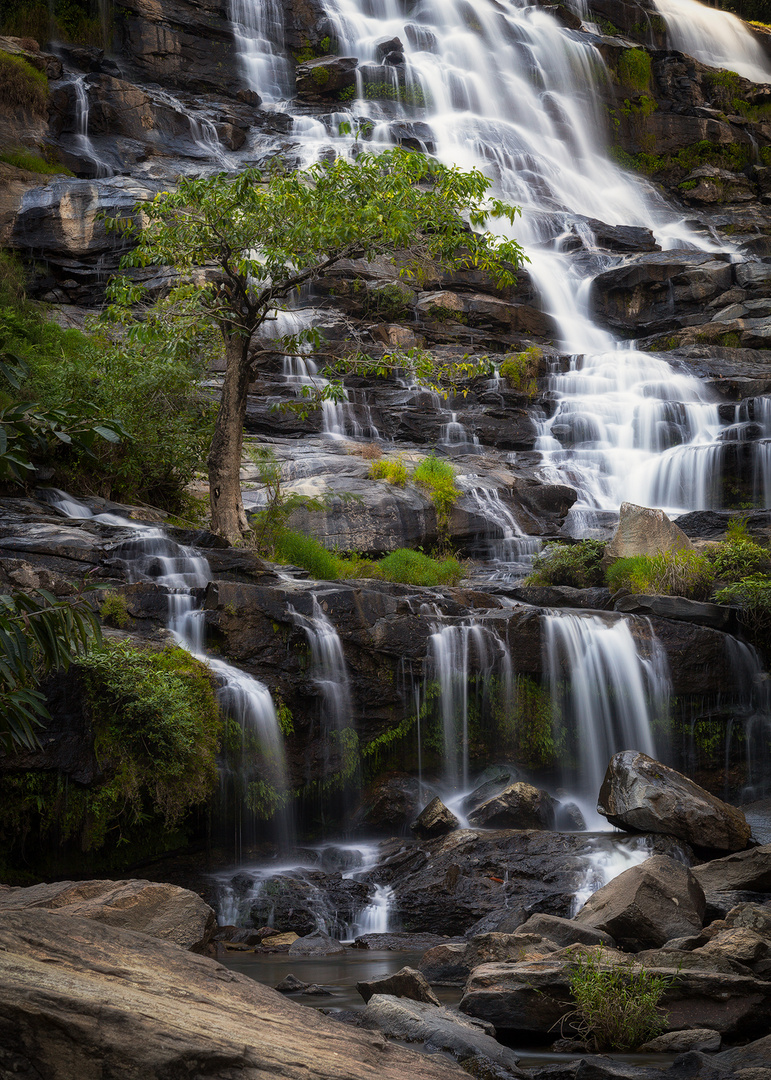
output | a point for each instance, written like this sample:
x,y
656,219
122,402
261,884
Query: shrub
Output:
x,y
521,370
616,1007
59,20
395,472
634,68
308,553
114,610
578,566
415,568
438,478
22,85
738,557
752,595
670,573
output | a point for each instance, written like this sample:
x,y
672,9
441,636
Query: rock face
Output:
x,y
80,996
642,794
519,806
647,905
748,870
161,911
434,820
645,532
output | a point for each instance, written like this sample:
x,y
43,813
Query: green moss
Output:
x,y
412,96
521,370
634,69
22,85
531,734
320,76
114,610
22,158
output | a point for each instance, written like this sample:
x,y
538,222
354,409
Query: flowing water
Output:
x,y
714,37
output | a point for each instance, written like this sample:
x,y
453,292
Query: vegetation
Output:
x,y
23,158
22,85
670,573
578,566
733,157
76,21
521,370
739,556
634,69
752,595
395,472
617,1005
268,239
416,568
438,478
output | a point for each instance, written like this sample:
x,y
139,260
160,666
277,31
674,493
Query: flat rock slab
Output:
x,y
147,907
79,999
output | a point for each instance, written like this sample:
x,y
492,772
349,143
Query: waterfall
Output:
x,y
714,37
328,669
258,29
82,138
504,543
752,716
151,555
606,696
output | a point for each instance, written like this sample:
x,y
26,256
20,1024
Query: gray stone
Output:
x,y
677,1042
564,931
519,806
642,794
718,616
642,531
405,983
742,870
318,944
647,905
434,820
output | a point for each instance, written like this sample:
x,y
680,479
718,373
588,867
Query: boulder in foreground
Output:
x,y
434,820
642,794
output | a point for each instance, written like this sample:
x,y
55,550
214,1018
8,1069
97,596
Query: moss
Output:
x,y
634,69
22,158
22,85
114,610
521,370
320,76
733,157
412,96
76,21
528,733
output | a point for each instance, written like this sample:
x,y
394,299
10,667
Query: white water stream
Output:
x,y
714,37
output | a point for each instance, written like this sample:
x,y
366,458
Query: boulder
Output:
x,y
81,999
718,616
325,77
446,965
318,944
742,870
639,793
753,916
147,907
443,1031
405,983
434,820
678,1042
400,941
647,905
519,806
642,531
564,932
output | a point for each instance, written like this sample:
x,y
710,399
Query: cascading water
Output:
x,y
328,670
150,554
82,138
606,697
504,543
714,37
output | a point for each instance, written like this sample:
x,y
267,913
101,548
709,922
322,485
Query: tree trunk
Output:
x,y
228,518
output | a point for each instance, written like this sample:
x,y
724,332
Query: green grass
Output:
x,y
22,85
675,573
578,566
415,568
437,477
395,472
634,69
21,158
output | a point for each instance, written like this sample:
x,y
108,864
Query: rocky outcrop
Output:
x,y
158,910
640,793
519,806
76,995
642,531
647,905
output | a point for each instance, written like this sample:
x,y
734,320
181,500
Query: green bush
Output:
x,y
578,566
395,472
521,370
634,68
438,478
739,557
752,595
415,568
670,573
77,21
22,85
305,551
616,1004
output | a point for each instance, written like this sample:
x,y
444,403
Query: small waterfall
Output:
x,y
503,543
714,37
328,670
82,138
606,859
606,696
151,555
460,658
203,133
376,917
258,28
752,716
454,436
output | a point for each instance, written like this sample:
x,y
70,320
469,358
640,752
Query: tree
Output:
x,y
259,241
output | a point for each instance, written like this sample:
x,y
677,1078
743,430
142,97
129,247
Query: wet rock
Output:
x,y
495,779
446,964
160,1008
519,806
146,907
565,932
399,941
325,77
747,870
405,983
291,984
434,820
678,1042
708,184
621,238
442,1030
718,616
388,805
642,531
317,944
647,905
640,793
563,596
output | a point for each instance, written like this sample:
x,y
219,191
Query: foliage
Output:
x,y
22,85
395,472
438,478
305,551
617,1005
415,568
739,557
77,21
670,573
416,365
733,157
157,726
114,610
521,370
752,595
23,158
38,633
529,729
578,566
634,69
389,302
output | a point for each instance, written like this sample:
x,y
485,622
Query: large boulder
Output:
x,y
405,983
519,806
564,932
742,870
647,905
642,531
80,999
434,820
147,907
642,794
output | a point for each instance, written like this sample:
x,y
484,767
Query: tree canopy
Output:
x,y
243,245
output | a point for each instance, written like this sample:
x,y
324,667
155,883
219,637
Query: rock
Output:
x,y
314,990
712,185
642,794
750,870
446,965
325,77
318,944
405,983
753,916
434,820
737,943
400,941
647,905
78,999
442,1030
564,931
279,942
677,1042
291,984
642,531
519,806
158,910
718,616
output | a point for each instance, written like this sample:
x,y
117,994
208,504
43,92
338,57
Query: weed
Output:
x,y
395,472
114,610
739,557
370,451
752,595
23,158
22,85
521,370
578,566
670,573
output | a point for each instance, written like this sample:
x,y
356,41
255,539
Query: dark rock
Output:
x,y
434,820
317,944
677,1042
400,941
388,805
565,931
405,983
718,616
743,870
647,905
446,964
519,806
640,793
563,596
314,990
642,531
325,77
291,984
